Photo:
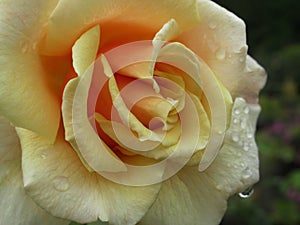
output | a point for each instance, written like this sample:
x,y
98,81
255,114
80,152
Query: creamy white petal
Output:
x,y
21,27
16,207
200,198
220,40
85,50
56,179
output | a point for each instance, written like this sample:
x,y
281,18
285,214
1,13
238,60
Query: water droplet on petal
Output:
x,y
61,183
24,47
249,135
220,187
246,147
43,156
243,123
246,110
220,132
247,193
220,54
237,112
235,120
212,24
235,137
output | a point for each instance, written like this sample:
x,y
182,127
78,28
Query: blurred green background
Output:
x,y
273,31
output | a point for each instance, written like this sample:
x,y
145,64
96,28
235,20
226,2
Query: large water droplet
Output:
x,y
247,193
220,54
61,183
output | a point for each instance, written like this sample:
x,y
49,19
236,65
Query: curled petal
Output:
x,y
85,50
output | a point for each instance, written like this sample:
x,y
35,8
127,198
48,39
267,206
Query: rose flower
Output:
x,y
131,112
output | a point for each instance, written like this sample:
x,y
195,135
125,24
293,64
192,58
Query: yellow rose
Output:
x,y
124,111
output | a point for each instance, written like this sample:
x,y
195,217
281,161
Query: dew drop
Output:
x,y
246,110
212,25
249,135
43,156
220,187
246,147
237,112
247,193
220,54
235,120
243,123
24,47
235,137
220,132
61,183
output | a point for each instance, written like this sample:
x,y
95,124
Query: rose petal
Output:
x,y
126,116
21,26
190,197
219,100
85,50
94,153
237,163
193,197
16,207
146,16
220,40
55,178
203,123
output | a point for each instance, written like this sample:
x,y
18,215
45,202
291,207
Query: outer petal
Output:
x,y
190,197
16,207
220,40
55,178
26,96
136,20
199,198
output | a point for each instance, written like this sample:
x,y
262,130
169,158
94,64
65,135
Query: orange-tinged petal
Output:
x,y
70,19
